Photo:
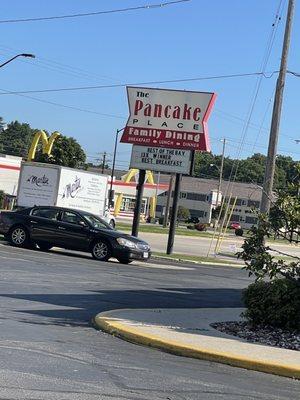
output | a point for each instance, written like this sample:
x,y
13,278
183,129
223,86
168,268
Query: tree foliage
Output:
x,y
16,139
282,221
250,170
66,152
183,213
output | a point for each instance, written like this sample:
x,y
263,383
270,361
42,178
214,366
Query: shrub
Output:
x,y
239,232
275,303
2,195
183,213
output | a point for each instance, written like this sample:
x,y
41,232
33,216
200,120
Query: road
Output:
x,y
199,246
49,350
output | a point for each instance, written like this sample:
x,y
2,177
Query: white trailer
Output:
x,y
52,185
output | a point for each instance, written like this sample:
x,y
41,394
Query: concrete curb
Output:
x,y
110,324
180,260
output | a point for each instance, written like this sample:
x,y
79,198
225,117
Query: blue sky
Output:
x,y
187,40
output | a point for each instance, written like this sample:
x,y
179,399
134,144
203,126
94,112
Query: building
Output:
x,y
9,173
200,195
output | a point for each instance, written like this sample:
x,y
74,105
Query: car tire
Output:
x,y
112,224
124,261
19,236
45,246
101,250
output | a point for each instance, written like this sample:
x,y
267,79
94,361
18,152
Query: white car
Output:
x,y
108,218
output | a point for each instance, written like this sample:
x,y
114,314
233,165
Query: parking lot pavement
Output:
x,y
50,350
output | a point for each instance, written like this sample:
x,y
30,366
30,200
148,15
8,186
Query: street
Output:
x,y
50,350
199,246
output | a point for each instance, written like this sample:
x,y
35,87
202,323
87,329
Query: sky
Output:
x,y
192,39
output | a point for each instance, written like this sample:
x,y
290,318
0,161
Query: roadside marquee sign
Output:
x,y
168,118
161,159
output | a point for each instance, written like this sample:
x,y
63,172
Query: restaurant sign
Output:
x,y
161,159
168,118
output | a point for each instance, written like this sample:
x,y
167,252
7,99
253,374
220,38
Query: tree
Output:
x,y
2,124
282,221
66,152
16,139
183,213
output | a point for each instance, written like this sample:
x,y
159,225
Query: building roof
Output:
x,y
247,191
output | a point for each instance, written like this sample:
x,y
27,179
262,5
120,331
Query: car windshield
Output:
x,y
96,222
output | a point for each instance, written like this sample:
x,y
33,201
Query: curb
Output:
x,y
180,260
107,323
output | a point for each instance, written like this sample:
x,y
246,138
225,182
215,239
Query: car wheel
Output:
x,y
101,250
19,237
112,223
45,246
124,260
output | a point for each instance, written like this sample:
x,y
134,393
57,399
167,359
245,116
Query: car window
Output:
x,y
71,218
96,222
46,213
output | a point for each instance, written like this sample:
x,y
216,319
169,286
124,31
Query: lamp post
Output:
x,y
111,192
220,182
18,55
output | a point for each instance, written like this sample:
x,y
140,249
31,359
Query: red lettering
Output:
x,y
167,108
176,112
157,110
138,106
186,112
196,111
147,110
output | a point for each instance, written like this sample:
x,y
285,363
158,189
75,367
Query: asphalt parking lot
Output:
x,y
50,350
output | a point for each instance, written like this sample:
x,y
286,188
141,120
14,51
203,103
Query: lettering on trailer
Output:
x,y
72,189
38,181
168,118
161,159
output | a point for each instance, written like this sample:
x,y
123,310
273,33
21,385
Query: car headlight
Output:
x,y
126,243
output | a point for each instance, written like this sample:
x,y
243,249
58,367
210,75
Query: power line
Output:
x,y
65,106
262,74
89,14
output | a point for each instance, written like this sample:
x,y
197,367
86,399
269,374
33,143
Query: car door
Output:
x,y
43,223
73,231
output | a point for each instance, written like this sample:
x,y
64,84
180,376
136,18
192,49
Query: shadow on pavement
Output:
x,y
78,309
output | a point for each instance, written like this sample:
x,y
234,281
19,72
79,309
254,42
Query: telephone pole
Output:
x,y
273,140
221,172
103,162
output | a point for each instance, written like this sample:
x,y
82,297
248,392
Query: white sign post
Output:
x,y
161,159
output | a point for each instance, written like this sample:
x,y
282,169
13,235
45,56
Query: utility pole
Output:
x,y
103,162
221,172
138,203
173,220
167,209
273,140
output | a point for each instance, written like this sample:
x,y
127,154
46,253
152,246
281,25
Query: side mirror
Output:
x,y
82,224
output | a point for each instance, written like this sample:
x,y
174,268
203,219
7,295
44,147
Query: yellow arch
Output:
x,y
47,143
127,178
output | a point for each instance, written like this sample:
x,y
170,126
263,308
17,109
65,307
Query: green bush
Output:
x,y
2,195
275,303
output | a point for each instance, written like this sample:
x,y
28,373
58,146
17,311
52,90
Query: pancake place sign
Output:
x,y
168,118
161,159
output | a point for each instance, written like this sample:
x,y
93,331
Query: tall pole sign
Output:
x,y
166,127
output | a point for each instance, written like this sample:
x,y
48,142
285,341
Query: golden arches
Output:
x,y
127,178
47,143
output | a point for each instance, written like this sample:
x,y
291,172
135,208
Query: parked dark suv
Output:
x,y
70,229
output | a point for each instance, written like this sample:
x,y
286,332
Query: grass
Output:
x,y
199,259
163,231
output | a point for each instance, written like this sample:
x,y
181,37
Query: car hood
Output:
x,y
117,234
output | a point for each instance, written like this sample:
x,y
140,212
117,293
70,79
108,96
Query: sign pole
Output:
x,y
166,216
138,203
174,214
